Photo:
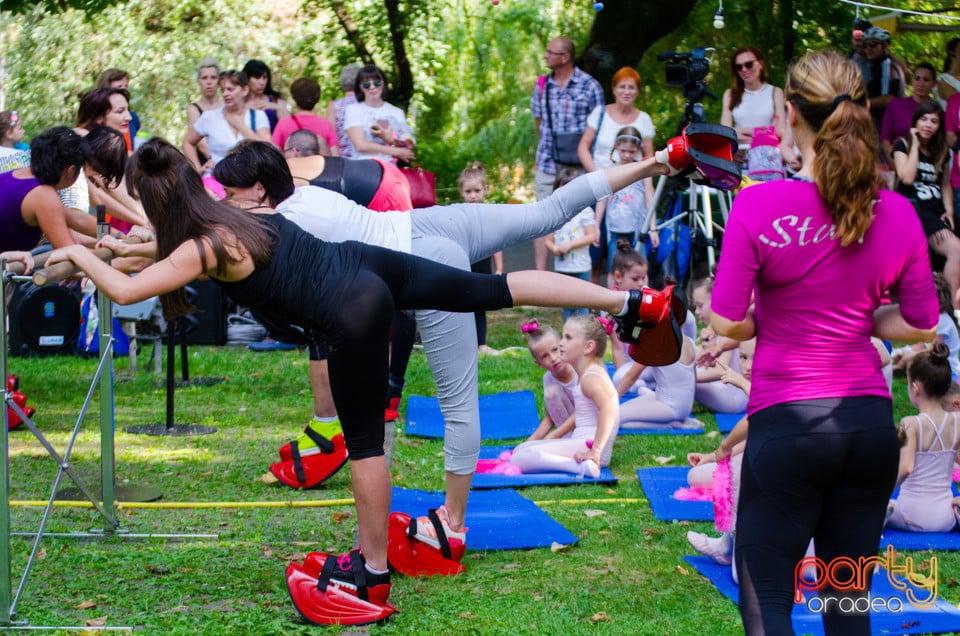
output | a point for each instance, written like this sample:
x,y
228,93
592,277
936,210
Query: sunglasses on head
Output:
x,y
746,65
14,118
372,84
632,138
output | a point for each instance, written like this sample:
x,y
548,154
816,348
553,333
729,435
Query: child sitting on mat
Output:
x,y
559,381
702,465
669,405
628,272
932,437
711,392
597,409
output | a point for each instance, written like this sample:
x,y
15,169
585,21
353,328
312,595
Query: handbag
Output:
x,y
423,186
565,144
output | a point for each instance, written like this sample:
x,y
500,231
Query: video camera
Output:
x,y
689,71
686,69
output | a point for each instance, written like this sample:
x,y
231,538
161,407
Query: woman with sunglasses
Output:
x,y
751,102
225,127
377,129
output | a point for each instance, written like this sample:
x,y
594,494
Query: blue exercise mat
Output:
x,y
660,483
664,430
486,481
938,618
496,519
920,540
726,421
502,416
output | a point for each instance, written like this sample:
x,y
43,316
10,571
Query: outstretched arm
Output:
x,y
170,274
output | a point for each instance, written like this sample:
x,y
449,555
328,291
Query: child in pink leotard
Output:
x,y
559,382
597,409
926,502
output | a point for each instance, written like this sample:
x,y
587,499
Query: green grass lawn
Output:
x,y
625,576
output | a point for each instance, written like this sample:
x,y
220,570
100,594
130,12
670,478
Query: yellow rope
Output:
x,y
322,503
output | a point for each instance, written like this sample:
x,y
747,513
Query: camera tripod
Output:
x,y
698,212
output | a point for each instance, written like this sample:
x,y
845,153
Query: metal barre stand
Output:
x,y
170,427
105,504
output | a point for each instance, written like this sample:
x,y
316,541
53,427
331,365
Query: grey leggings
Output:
x,y
458,235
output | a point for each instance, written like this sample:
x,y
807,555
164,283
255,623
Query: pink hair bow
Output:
x,y
607,324
529,327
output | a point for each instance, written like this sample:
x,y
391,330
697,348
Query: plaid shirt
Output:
x,y
569,108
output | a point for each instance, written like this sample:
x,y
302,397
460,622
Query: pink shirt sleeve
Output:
x,y
952,116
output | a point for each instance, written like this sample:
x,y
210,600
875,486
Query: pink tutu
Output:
x,y
499,466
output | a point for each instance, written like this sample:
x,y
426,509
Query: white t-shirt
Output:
x,y
221,138
364,116
576,261
627,210
332,217
607,134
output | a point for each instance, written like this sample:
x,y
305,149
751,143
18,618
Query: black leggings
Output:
x,y
358,330
821,469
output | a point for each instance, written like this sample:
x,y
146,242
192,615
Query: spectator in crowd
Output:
x,y
886,80
561,103
262,95
337,109
116,78
859,53
306,93
948,82
899,113
208,79
224,127
11,132
377,129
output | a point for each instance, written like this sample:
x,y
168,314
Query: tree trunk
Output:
x,y
625,29
402,90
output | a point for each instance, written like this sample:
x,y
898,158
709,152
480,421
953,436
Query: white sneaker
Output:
x,y
590,469
428,534
717,549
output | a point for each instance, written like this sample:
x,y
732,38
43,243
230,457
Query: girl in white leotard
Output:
x,y
559,381
670,404
597,408
926,502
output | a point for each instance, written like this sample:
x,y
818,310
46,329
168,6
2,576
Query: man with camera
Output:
x,y
561,102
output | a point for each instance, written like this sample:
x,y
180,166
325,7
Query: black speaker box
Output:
x,y
208,324
45,320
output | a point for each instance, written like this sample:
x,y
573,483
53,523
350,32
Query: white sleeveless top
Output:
x,y
755,109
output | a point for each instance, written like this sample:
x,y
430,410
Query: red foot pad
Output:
x,y
13,382
311,470
335,604
661,344
412,557
323,445
13,419
391,412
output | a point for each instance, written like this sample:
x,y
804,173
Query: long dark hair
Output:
x,y
256,68
736,91
180,209
936,148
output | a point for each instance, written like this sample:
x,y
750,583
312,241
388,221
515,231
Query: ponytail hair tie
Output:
x,y
529,327
607,324
841,98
